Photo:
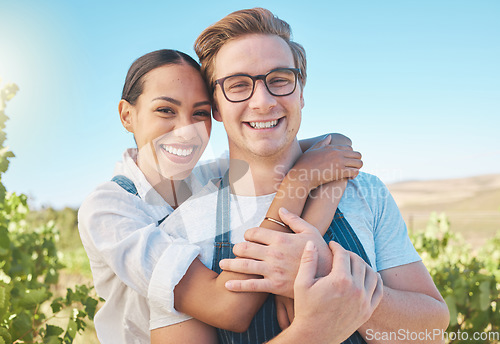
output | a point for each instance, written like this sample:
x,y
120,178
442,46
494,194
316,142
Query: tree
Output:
x,y
29,267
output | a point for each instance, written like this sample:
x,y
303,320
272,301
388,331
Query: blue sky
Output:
x,y
414,84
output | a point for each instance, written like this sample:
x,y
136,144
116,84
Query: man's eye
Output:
x,y
279,82
238,86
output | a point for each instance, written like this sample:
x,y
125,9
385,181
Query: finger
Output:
x,y
356,163
249,285
353,155
347,172
322,143
341,265
296,224
244,266
378,293
282,314
358,269
308,266
341,147
261,235
341,139
290,310
250,250
371,280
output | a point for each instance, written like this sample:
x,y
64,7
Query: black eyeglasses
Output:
x,y
240,87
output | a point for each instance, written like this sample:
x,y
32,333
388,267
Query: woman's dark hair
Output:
x,y
134,83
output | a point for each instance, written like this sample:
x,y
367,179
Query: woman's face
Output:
x,y
171,121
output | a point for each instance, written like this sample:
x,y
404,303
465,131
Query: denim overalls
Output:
x,y
264,325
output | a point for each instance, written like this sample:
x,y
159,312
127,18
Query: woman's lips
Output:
x,y
180,154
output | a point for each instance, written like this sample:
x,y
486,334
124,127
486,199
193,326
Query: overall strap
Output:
x,y
341,231
129,186
126,184
265,325
223,226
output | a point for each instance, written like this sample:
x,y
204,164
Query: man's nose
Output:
x,y
261,98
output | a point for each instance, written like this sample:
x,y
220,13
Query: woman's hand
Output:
x,y
324,163
284,310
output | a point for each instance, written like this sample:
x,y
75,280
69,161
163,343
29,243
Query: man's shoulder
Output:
x,y
365,182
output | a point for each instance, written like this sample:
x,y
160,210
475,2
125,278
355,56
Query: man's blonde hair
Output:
x,y
237,24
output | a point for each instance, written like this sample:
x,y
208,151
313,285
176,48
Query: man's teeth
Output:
x,y
178,151
264,125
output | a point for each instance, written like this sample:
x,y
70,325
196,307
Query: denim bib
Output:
x,y
264,325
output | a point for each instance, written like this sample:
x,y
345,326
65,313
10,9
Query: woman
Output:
x,y
131,250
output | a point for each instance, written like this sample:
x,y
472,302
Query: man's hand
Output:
x,y
329,309
275,256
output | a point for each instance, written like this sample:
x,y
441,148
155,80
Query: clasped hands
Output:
x,y
343,285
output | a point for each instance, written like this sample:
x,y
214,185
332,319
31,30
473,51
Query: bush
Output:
x,y
468,281
29,270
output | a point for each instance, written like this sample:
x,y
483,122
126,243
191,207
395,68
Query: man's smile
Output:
x,y
260,125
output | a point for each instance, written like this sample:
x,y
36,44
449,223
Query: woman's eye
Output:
x,y
202,114
167,111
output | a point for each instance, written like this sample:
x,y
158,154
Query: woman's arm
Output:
x,y
337,139
201,293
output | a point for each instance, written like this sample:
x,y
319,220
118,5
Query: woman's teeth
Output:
x,y
264,125
178,151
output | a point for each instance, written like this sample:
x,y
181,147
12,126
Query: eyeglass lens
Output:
x,y
279,83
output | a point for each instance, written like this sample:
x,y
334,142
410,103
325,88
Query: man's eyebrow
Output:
x,y
168,99
205,102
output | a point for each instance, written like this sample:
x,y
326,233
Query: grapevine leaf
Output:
x,y
90,307
54,330
21,326
33,297
70,332
5,336
484,297
56,306
452,307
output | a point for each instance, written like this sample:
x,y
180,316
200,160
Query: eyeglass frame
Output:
x,y
296,72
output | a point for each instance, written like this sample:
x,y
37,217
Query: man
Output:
x,y
248,59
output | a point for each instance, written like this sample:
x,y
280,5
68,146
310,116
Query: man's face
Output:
x,y
264,125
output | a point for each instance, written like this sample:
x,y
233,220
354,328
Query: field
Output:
x,y
472,205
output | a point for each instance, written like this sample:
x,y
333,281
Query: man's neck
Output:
x,y
257,176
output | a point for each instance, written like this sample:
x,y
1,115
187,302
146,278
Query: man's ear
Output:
x,y
301,98
215,112
125,109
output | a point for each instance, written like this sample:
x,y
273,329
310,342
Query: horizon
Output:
x,y
415,85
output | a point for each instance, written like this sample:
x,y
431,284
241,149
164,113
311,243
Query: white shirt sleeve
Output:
x,y
119,233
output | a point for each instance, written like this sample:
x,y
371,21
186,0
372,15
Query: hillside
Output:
x,y
472,204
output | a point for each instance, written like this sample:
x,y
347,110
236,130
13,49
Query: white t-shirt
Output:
x,y
127,250
367,206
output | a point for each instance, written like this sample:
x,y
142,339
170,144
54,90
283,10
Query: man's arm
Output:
x,y
411,303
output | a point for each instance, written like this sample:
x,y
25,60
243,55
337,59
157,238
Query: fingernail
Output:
x,y
228,285
221,264
284,211
309,246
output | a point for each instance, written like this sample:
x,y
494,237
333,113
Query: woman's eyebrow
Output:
x,y
203,103
168,99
